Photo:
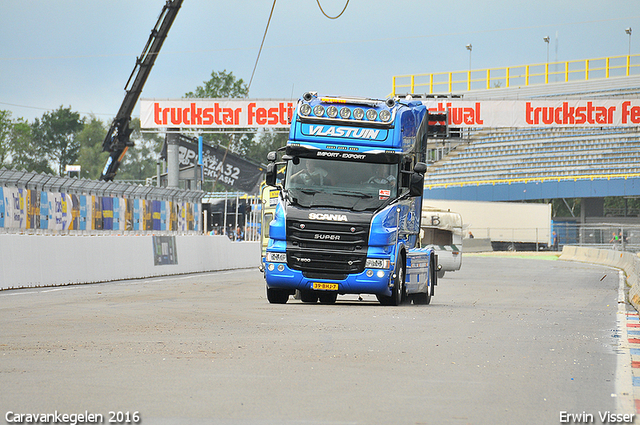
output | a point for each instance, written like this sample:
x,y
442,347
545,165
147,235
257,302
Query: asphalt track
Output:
x,y
505,340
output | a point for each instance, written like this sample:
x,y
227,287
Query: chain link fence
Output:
x,y
623,237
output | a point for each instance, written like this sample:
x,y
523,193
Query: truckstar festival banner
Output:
x,y
215,113
243,113
539,113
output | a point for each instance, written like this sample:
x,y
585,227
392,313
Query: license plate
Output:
x,y
322,286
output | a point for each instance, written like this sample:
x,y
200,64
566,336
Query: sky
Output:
x,y
80,53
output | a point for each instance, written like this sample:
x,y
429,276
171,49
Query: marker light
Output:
x,y
385,115
332,111
305,109
358,113
372,114
318,110
345,112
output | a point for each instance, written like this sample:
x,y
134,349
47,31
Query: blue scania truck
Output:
x,y
347,220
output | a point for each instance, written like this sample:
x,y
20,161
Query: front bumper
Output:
x,y
279,275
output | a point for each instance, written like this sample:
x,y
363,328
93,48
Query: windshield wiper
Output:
x,y
309,191
354,193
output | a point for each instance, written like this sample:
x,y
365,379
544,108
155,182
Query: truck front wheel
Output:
x,y
397,292
277,296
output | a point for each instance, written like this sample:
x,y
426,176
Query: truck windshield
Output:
x,y
357,186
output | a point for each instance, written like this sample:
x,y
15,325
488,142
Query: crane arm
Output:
x,y
118,140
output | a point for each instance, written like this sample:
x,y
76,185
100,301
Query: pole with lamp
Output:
x,y
628,32
469,48
546,66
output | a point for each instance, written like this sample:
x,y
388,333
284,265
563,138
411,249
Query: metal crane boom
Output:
x,y
117,141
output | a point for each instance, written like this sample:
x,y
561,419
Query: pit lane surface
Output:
x,y
505,340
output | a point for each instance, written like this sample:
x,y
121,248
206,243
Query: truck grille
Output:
x,y
322,248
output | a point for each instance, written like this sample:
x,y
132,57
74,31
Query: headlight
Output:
x,y
332,111
385,115
276,257
345,112
305,109
358,113
318,110
372,114
377,263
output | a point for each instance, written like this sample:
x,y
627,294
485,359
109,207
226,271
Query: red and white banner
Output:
x,y
539,113
215,113
244,113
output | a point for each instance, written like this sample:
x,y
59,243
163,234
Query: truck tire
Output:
x,y
277,296
308,296
398,290
422,298
328,297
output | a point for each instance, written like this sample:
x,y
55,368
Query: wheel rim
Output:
x,y
400,285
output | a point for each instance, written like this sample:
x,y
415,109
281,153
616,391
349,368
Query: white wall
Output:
x,y
37,260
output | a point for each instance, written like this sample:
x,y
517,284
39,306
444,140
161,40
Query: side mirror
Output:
x,y
420,168
416,187
272,156
270,178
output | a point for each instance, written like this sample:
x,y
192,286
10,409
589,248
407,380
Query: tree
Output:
x,y
265,142
222,84
25,153
140,161
5,132
57,133
91,157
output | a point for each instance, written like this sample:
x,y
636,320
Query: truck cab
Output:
x,y
347,219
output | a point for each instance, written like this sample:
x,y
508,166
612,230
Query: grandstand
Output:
x,y
503,164
517,154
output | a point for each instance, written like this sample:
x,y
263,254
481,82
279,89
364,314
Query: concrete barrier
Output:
x,y
626,261
37,260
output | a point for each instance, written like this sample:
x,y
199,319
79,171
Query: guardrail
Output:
x,y
44,204
517,76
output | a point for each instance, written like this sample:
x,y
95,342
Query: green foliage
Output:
x,y
139,163
5,133
25,153
265,142
252,145
222,84
91,158
56,136
62,137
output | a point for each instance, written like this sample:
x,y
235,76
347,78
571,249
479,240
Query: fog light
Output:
x,y
280,267
369,273
345,112
332,111
271,267
385,115
318,110
380,273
